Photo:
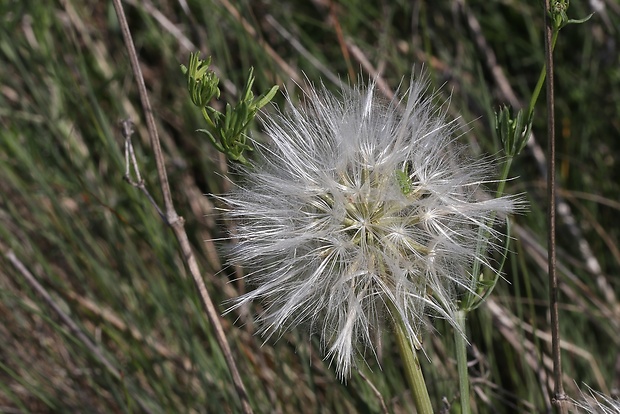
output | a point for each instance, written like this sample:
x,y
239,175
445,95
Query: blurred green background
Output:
x,y
101,252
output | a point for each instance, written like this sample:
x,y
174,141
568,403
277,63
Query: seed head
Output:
x,y
597,403
360,211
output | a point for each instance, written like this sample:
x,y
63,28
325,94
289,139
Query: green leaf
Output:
x,y
579,21
227,130
265,98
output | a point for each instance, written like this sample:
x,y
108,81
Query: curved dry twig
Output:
x,y
73,327
175,221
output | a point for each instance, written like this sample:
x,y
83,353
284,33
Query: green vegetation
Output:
x,y
100,251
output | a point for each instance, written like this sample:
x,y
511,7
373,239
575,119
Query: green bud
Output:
x,y
227,130
514,132
202,83
559,17
557,13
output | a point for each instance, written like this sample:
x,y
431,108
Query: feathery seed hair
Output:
x,y
357,212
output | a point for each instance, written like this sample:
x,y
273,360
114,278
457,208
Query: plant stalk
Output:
x,y
559,397
483,236
175,221
461,361
541,80
413,371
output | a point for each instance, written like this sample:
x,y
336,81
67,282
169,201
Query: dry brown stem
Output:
x,y
175,221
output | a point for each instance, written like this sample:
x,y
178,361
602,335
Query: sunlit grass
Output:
x,y
100,250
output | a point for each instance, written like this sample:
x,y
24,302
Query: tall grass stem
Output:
x,y
559,397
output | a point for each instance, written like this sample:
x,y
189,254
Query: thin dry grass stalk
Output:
x,y
559,396
65,318
176,222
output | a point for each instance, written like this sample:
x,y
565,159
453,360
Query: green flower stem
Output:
x,y
541,80
461,362
502,180
413,370
483,235
558,21
470,298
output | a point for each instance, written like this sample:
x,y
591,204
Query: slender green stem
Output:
x,y
468,303
541,80
483,233
461,361
503,177
413,370
207,117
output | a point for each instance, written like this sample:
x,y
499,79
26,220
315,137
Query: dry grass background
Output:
x,y
98,249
